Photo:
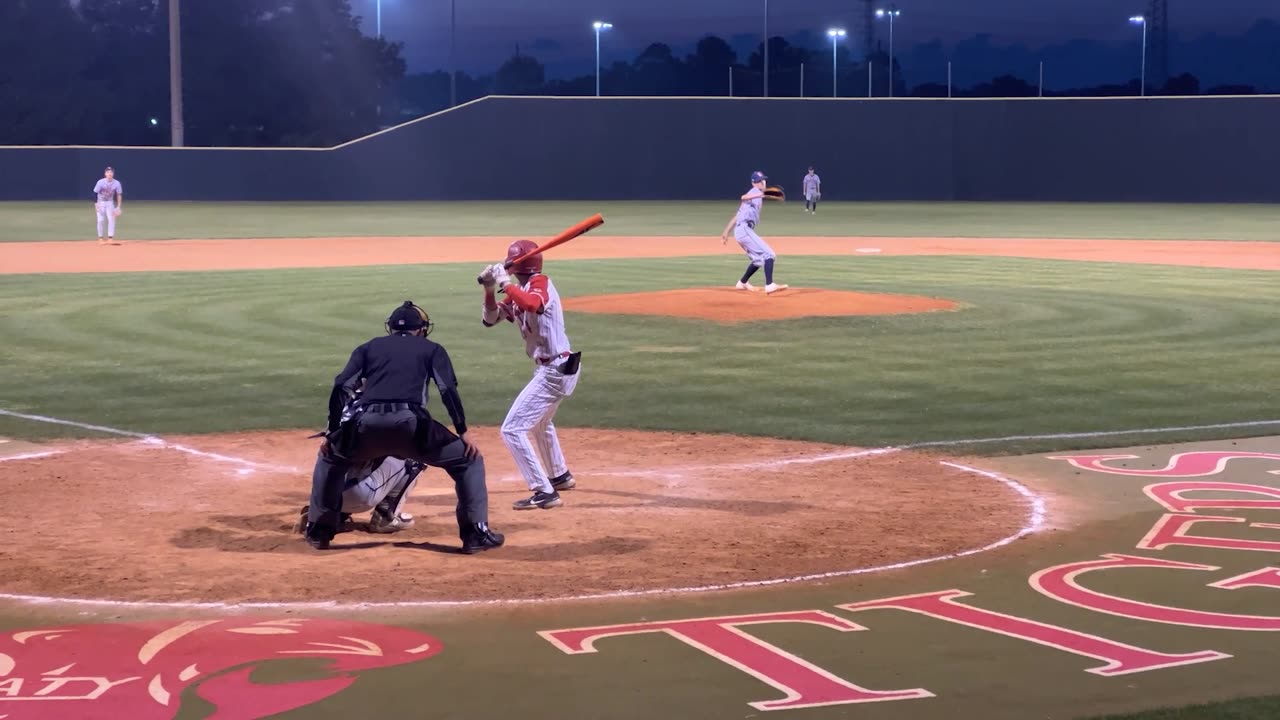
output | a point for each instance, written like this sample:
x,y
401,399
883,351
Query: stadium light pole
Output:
x,y
598,25
766,48
835,34
891,13
453,53
176,126
1141,20
379,13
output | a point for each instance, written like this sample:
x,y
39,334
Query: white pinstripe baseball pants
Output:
x,y
529,432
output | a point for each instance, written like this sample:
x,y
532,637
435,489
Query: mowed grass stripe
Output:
x,y
25,221
1041,347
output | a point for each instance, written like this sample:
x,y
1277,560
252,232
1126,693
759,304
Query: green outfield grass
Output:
x,y
1266,708
150,221
1040,347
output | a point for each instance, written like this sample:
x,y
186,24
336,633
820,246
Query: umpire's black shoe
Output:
x,y
481,538
563,482
539,500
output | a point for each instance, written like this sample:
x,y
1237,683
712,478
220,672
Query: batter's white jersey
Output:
x,y
528,430
536,308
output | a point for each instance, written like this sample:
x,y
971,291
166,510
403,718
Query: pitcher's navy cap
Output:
x,y
758,176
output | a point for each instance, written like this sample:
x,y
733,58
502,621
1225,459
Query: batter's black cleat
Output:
x,y
563,482
539,500
481,538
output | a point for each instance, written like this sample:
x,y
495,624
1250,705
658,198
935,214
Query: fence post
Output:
x,y
868,78
730,81
1041,78
948,78
801,79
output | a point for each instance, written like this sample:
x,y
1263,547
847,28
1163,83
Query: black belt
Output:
x,y
750,223
388,407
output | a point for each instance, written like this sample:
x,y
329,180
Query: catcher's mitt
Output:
x,y
775,192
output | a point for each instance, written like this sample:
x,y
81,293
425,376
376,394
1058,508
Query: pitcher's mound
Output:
x,y
727,305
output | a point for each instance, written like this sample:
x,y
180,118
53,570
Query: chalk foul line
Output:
x,y
1097,434
145,439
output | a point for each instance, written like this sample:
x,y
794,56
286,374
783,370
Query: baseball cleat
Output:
x,y
382,525
745,286
563,482
539,500
772,288
481,538
300,526
316,541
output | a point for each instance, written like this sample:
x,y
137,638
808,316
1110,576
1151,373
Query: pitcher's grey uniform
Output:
x,y
744,229
106,191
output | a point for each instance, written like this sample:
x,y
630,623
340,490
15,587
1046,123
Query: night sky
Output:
x,y
559,34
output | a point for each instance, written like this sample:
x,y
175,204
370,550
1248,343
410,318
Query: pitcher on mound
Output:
x,y
743,225
533,304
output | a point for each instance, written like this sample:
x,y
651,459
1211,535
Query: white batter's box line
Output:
x,y
1087,435
149,440
1033,523
763,465
31,456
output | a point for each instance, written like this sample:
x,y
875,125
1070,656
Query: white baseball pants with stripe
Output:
x,y
107,212
529,432
374,487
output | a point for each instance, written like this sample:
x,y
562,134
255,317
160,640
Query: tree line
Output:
x,y
255,72
273,73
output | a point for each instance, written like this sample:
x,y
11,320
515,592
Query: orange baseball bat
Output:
x,y
578,230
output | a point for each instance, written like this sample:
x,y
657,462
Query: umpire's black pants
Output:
x,y
406,432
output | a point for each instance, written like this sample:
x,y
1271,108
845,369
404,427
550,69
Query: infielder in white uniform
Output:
x,y
108,203
743,225
529,433
812,191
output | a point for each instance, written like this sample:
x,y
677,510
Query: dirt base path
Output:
x,y
177,255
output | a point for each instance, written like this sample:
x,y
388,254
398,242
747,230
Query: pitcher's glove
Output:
x,y
775,192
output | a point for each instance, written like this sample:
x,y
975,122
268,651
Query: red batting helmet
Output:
x,y
528,266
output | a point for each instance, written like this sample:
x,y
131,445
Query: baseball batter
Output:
x,y
743,225
108,203
528,431
812,191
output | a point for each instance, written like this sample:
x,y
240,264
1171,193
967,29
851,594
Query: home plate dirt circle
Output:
x,y
653,511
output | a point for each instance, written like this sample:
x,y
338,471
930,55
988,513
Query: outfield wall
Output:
x,y
1126,149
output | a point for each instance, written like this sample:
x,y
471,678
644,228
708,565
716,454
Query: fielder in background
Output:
x,y
529,433
812,191
108,202
743,225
